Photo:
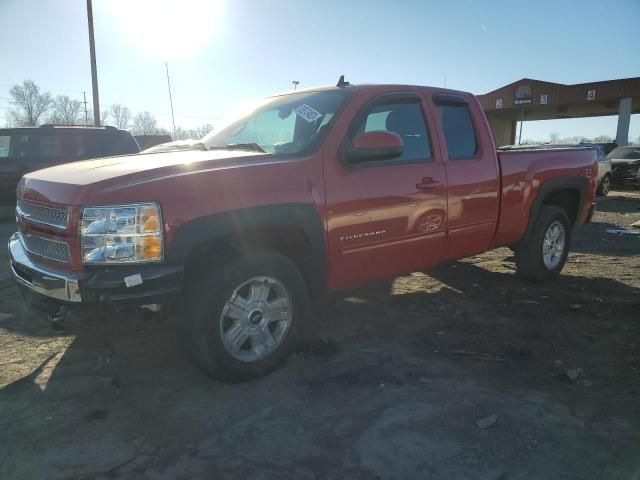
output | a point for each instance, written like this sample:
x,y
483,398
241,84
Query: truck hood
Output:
x,y
62,183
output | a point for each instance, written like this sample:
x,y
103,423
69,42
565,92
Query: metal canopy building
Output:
x,y
529,99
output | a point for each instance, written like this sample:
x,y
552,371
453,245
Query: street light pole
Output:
x,y
94,71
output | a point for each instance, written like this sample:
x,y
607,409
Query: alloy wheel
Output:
x,y
255,319
553,245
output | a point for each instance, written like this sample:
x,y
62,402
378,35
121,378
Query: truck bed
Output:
x,y
525,171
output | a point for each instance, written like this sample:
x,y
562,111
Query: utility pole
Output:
x,y
295,84
94,71
86,114
173,120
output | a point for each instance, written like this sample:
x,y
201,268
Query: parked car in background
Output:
x,y
625,165
314,191
604,168
26,149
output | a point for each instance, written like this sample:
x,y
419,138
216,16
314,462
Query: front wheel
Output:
x,y
543,254
604,187
243,317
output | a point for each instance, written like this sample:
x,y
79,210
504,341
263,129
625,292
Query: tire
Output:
x,y
531,263
226,302
604,187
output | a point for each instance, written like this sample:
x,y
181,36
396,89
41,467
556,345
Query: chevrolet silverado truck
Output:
x,y
311,192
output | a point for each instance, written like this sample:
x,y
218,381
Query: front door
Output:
x,y
386,217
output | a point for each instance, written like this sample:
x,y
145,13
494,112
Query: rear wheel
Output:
x,y
243,318
543,254
604,187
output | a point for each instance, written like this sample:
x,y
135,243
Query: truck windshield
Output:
x,y
290,124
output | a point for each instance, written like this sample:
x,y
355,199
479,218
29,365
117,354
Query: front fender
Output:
x,y
216,226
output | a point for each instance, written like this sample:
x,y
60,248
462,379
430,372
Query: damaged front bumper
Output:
x,y
58,285
155,284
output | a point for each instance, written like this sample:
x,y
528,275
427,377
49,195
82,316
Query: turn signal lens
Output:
x,y
151,248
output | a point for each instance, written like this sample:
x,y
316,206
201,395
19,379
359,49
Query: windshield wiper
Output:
x,y
252,147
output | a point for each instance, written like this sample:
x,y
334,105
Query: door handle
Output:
x,y
428,183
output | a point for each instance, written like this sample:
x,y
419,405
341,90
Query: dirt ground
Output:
x,y
391,387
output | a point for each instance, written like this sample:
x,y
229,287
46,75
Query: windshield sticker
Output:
x,y
307,113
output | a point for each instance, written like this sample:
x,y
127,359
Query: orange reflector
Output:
x,y
151,248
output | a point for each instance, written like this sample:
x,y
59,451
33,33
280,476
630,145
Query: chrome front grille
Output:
x,y
44,247
53,217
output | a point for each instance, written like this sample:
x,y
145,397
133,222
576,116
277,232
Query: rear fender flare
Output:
x,y
554,185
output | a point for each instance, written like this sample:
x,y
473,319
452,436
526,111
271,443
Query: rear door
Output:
x,y
386,217
472,174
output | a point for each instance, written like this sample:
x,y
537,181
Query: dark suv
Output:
x,y
26,149
625,165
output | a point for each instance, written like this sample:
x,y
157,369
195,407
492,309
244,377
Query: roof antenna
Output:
x,y
341,82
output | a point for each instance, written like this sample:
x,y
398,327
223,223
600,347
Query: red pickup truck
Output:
x,y
313,191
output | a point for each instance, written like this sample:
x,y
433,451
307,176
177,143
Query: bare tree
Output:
x,y
66,111
29,104
180,134
603,139
199,132
144,124
192,133
118,115
554,137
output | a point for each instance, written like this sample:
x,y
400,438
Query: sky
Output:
x,y
222,53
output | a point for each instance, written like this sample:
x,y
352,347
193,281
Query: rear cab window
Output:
x,y
457,126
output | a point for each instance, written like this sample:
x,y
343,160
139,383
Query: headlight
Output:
x,y
121,234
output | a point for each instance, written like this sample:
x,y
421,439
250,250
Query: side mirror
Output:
x,y
375,146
